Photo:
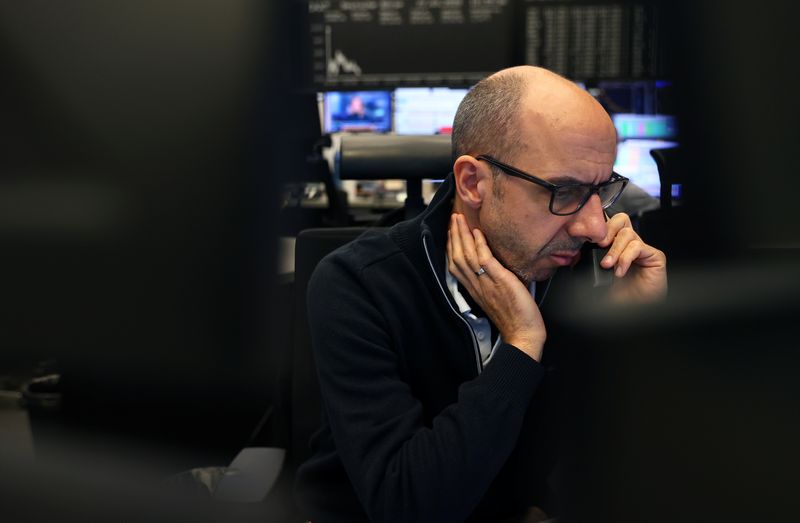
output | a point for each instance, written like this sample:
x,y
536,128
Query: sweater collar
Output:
x,y
434,222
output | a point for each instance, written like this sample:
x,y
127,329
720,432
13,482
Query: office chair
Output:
x,y
360,157
669,172
386,157
666,226
306,403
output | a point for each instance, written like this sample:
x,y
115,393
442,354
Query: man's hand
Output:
x,y
640,271
498,291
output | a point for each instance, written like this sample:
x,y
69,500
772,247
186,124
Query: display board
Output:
x,y
384,44
394,43
426,110
358,111
595,41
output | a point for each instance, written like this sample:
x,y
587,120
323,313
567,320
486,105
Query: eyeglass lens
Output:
x,y
568,199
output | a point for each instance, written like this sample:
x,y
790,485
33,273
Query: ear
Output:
x,y
472,182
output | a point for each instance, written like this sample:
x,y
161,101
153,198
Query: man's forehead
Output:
x,y
569,179
586,143
564,163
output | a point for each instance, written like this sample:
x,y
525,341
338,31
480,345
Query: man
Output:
x,y
427,338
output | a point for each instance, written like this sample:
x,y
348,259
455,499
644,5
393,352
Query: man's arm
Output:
x,y
401,469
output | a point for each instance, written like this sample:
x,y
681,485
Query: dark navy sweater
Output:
x,y
415,429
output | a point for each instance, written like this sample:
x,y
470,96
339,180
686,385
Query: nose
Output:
x,y
590,222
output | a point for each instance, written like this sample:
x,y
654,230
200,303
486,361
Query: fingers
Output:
x,y
627,248
631,253
621,241
455,249
462,258
485,257
467,244
613,226
619,234
468,252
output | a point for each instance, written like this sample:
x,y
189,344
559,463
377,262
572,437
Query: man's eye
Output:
x,y
569,194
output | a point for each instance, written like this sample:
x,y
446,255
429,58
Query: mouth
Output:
x,y
563,258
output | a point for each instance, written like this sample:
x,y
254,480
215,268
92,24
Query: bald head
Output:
x,y
543,125
525,110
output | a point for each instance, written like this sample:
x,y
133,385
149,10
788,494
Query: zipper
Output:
x,y
479,364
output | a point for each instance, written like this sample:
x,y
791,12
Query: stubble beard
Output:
x,y
509,251
523,269
529,275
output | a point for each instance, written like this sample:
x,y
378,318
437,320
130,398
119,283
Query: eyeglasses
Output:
x,y
568,198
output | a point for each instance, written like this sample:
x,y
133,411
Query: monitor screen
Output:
x,y
652,126
407,43
358,111
363,44
634,162
425,111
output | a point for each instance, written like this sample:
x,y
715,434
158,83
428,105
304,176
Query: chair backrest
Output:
x,y
669,227
669,172
312,245
385,157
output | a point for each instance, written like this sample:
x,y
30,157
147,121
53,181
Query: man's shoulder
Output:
x,y
373,247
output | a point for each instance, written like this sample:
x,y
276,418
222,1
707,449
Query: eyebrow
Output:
x,y
566,180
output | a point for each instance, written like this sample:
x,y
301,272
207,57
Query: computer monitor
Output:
x,y
650,126
358,111
634,162
426,111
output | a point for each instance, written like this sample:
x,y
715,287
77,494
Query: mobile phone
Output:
x,y
601,277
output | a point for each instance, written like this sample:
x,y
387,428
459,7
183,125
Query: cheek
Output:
x,y
533,224
522,224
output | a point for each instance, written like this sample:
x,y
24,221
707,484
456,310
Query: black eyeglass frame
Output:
x,y
553,188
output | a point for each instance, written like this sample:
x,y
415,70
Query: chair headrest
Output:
x,y
383,157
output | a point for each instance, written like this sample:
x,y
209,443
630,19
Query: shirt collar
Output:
x,y
452,285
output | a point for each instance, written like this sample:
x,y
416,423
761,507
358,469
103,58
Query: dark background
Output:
x,y
143,148
140,184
